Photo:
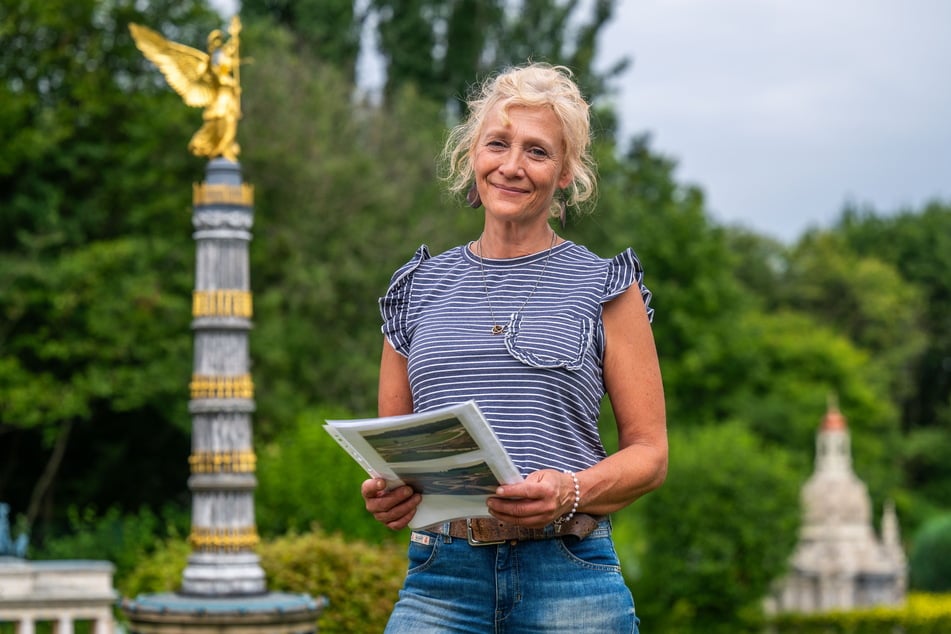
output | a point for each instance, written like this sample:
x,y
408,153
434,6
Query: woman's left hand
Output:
x,y
541,498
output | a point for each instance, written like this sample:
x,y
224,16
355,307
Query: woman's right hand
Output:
x,y
394,508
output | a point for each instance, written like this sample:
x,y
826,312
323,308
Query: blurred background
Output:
x,y
781,169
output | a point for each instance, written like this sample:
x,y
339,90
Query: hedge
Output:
x,y
921,614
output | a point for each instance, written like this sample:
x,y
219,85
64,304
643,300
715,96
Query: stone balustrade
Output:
x,y
61,593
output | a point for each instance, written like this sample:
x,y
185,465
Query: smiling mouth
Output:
x,y
509,189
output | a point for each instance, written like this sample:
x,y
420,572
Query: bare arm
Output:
x,y
394,396
633,380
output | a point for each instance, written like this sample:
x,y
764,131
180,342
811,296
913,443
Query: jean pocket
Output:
x,y
593,553
423,547
552,341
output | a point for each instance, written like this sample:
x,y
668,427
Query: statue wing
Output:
x,y
186,69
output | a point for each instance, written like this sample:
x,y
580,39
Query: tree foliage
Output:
x,y
930,557
306,480
918,245
443,46
716,541
328,30
344,194
93,262
864,298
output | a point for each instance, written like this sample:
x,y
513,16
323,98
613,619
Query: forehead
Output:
x,y
536,121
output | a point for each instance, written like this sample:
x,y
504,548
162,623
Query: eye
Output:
x,y
495,144
538,152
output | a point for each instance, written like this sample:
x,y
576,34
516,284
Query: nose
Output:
x,y
511,162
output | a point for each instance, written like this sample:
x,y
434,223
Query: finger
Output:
x,y
384,501
402,512
372,487
401,522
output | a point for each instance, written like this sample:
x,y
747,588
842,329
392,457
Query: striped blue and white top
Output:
x,y
540,383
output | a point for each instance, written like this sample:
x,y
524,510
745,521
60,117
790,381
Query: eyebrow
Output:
x,y
505,131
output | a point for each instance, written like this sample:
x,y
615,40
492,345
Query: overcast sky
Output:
x,y
783,111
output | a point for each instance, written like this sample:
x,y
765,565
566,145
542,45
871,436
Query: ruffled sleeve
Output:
x,y
395,304
625,269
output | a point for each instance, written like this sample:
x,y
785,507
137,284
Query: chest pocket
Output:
x,y
550,341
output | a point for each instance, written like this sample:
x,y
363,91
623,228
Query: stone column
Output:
x,y
223,534
223,586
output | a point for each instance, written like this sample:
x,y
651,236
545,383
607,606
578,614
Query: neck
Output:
x,y
502,245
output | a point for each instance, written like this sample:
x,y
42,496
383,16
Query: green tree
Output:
x,y
687,266
792,364
760,264
443,46
864,298
75,104
930,557
94,356
918,244
93,319
716,543
329,30
345,192
295,493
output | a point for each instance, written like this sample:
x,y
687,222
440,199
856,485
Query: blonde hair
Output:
x,y
534,85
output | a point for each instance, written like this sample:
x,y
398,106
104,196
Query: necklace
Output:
x,y
498,329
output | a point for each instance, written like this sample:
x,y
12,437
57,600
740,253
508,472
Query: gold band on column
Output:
x,y
208,386
228,539
205,194
238,461
222,303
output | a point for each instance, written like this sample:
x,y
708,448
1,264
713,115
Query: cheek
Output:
x,y
483,163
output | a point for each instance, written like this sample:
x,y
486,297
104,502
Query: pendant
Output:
x,y
497,329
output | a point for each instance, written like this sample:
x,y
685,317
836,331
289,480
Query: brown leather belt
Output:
x,y
485,531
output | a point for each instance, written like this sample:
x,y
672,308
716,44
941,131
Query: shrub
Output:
x,y
921,614
122,539
930,558
305,477
715,540
159,572
360,580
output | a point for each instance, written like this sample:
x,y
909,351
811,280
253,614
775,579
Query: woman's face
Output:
x,y
520,164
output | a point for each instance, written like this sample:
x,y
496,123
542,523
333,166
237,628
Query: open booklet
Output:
x,y
450,455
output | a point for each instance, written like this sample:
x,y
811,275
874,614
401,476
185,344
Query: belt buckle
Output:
x,y
475,542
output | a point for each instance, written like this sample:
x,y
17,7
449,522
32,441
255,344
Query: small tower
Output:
x,y
839,563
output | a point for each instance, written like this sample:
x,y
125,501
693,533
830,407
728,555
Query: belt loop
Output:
x,y
444,530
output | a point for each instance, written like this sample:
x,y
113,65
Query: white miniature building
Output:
x,y
839,562
60,592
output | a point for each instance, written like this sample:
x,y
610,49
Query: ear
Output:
x,y
565,179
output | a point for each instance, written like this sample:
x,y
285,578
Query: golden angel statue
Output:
x,y
204,80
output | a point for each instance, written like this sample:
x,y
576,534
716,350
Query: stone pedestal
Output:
x,y
272,613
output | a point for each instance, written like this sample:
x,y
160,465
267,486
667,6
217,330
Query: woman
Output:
x,y
535,329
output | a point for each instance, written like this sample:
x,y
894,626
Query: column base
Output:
x,y
218,574
269,613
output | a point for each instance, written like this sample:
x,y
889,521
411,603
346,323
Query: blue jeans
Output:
x,y
553,585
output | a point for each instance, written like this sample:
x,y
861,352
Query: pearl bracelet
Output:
x,y
564,519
